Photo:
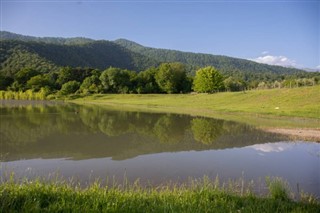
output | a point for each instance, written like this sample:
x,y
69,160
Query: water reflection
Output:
x,y
83,132
98,142
207,131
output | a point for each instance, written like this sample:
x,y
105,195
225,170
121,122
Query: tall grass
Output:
x,y
24,95
198,195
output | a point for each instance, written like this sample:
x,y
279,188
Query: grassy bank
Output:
x,y
297,102
271,108
198,196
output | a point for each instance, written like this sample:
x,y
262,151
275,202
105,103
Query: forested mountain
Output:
x,y
227,65
47,54
52,40
32,67
46,57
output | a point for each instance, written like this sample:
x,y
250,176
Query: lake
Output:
x,y
85,142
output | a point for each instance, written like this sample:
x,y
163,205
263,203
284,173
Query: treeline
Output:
x,y
168,78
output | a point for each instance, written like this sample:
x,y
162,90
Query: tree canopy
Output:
x,y
208,79
171,77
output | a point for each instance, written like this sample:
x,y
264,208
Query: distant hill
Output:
x,y
45,57
48,54
51,40
225,64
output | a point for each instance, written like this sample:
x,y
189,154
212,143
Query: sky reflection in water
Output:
x,y
89,142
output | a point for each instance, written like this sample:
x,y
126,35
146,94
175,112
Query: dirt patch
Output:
x,y
298,134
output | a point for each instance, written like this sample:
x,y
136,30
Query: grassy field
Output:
x,y
198,196
276,107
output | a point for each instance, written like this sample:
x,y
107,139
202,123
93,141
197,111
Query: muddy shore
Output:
x,y
298,134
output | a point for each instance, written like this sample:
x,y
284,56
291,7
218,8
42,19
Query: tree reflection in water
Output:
x,y
85,131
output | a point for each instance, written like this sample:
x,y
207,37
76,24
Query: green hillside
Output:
x,y
46,57
52,40
227,65
48,53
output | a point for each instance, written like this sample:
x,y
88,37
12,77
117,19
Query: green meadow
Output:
x,y
274,107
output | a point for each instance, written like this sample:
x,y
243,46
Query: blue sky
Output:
x,y
275,32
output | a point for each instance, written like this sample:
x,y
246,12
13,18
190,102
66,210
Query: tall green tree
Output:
x,y
37,82
116,80
74,74
171,77
208,79
90,84
23,76
146,82
69,87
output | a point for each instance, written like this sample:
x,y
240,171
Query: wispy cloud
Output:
x,y
264,52
271,147
275,60
318,67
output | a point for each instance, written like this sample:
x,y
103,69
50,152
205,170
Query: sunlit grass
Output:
x,y
198,195
267,108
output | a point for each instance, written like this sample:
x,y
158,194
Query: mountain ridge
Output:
x,y
122,53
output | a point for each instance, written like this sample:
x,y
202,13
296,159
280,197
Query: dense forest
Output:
x,y
46,57
80,65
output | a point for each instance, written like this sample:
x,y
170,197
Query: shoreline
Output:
x,y
297,133
296,128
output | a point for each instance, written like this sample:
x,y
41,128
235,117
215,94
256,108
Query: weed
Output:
x,y
278,188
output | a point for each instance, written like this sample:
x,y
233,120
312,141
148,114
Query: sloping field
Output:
x,y
297,102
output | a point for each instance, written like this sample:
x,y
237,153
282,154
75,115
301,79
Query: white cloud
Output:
x,y
265,53
318,67
276,60
271,147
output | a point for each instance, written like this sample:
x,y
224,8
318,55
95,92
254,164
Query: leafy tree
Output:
x,y
69,87
91,85
37,82
24,75
171,77
74,74
116,80
233,84
208,79
146,82
15,86
65,75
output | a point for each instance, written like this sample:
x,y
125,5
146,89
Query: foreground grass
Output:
x,y
199,196
254,107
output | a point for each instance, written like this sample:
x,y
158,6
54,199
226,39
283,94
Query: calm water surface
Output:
x,y
89,142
